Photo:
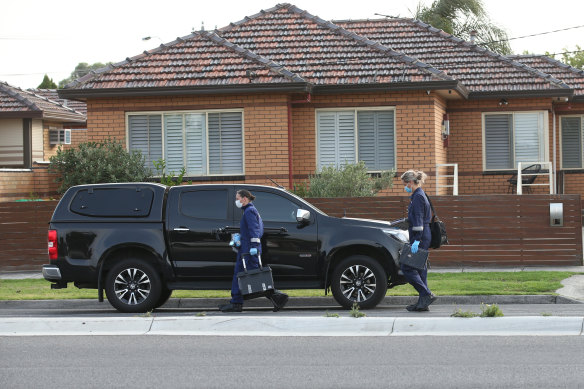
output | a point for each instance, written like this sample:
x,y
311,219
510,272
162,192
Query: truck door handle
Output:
x,y
181,229
276,231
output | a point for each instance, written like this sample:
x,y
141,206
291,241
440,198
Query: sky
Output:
x,y
40,37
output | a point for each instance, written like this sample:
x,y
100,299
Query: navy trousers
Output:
x,y
417,278
252,263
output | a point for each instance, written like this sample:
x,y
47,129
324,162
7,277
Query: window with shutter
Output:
x,y
376,140
513,138
204,143
350,135
571,127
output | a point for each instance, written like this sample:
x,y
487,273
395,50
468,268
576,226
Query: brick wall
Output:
x,y
35,183
265,126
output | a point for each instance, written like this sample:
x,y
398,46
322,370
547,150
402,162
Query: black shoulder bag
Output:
x,y
437,228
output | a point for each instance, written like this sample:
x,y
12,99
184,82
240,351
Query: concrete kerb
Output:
x,y
294,326
295,302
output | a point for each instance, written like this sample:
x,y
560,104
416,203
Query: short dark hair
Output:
x,y
246,193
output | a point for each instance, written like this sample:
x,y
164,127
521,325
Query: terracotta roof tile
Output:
x,y
570,75
322,52
200,59
477,68
51,94
15,100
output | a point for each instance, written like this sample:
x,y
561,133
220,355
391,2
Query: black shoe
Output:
x,y
279,300
425,302
231,307
412,307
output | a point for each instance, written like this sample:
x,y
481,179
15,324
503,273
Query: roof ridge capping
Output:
x,y
268,63
547,77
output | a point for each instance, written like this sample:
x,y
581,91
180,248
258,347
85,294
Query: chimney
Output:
x,y
473,36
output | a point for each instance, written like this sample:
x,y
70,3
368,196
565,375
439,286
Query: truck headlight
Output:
x,y
401,235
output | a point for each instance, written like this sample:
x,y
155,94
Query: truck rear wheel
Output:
x,y
133,286
359,279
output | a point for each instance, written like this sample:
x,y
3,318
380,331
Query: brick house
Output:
x,y
282,93
32,126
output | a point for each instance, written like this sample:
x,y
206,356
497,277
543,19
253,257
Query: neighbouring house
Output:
x,y
33,124
282,93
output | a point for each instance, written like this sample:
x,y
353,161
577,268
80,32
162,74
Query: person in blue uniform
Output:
x,y
251,229
419,217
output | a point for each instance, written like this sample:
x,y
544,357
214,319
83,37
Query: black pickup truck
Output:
x,y
141,241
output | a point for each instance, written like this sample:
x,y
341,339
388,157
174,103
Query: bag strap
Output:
x,y
434,214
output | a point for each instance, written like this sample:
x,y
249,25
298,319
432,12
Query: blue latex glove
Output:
x,y
253,251
415,246
236,240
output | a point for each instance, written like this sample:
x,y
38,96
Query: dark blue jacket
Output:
x,y
251,229
419,217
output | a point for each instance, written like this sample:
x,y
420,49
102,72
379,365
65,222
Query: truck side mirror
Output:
x,y
303,216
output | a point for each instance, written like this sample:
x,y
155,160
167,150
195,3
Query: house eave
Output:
x,y
21,115
70,118
564,92
390,86
173,91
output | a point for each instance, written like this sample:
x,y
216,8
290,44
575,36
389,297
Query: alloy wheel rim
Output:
x,y
132,286
358,283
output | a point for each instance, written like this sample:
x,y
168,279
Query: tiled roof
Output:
x,y
51,94
324,53
480,70
200,59
287,48
15,102
570,75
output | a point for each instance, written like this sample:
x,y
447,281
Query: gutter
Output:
x,y
564,92
296,87
391,86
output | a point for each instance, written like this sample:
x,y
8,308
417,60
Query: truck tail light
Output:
x,y
53,252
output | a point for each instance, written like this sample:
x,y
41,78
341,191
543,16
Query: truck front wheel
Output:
x,y
133,286
360,280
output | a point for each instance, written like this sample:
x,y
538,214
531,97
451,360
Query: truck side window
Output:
x,y
113,202
275,208
204,204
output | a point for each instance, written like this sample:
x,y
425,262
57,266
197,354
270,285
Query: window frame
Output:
x,y
356,110
561,156
545,123
206,112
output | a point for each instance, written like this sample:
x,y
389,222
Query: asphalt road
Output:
x,y
291,362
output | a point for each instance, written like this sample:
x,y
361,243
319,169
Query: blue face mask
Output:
x,y
408,189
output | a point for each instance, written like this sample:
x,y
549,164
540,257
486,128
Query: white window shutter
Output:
x,y
225,143
571,142
346,138
196,144
498,141
528,133
173,143
145,133
326,134
376,139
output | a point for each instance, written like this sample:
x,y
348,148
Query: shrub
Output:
x,y
352,180
93,163
169,180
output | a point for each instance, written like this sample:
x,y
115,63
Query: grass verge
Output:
x,y
491,283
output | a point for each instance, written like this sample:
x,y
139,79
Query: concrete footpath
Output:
x,y
304,316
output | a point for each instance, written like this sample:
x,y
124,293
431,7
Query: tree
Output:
x,y
81,70
460,18
47,83
573,58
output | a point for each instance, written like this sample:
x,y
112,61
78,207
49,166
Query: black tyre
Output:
x,y
359,279
133,286
164,296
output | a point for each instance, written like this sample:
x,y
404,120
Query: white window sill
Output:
x,y
15,170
